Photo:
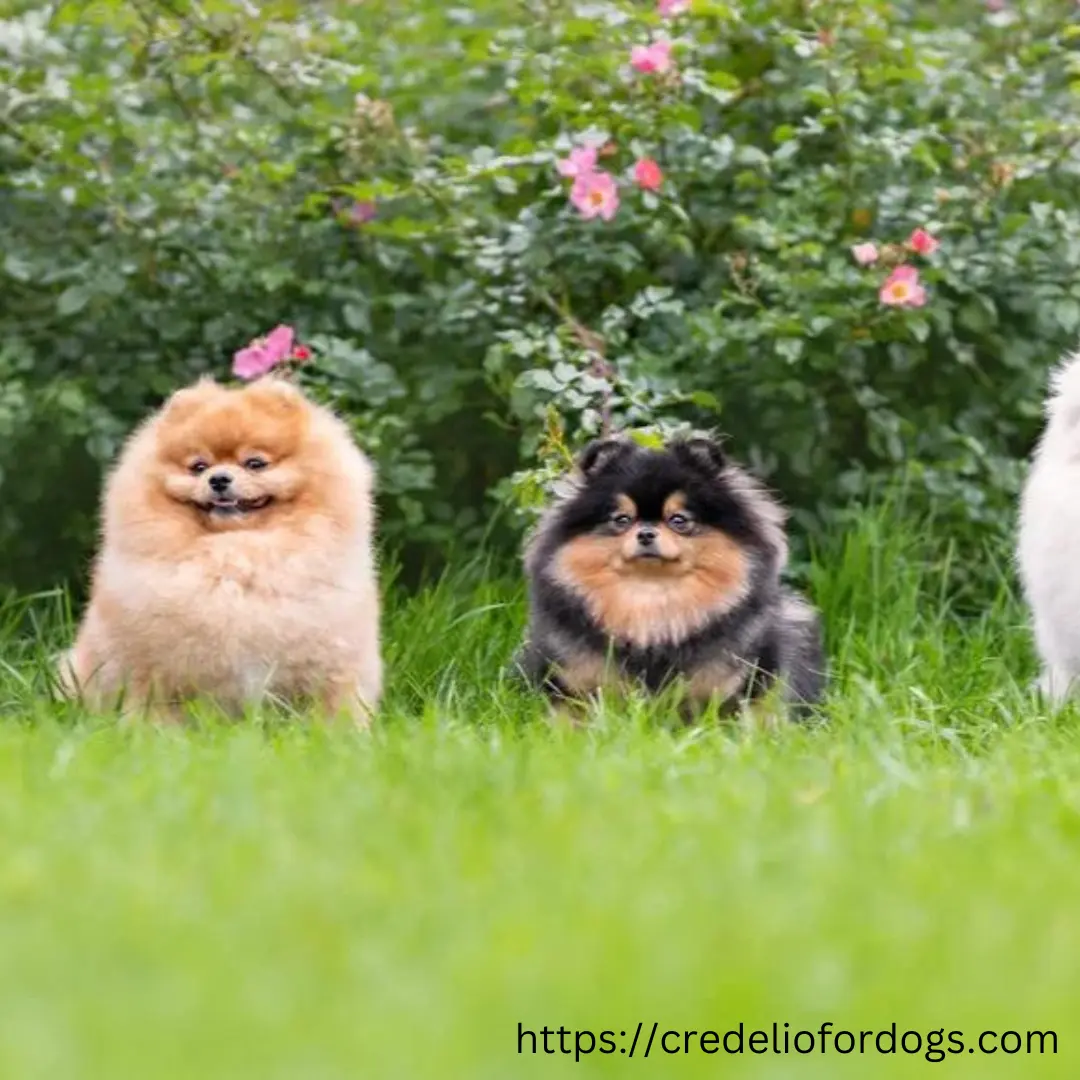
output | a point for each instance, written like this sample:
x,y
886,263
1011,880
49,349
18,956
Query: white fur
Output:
x,y
1049,545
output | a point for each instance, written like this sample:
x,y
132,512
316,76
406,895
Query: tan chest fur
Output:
x,y
236,623
647,608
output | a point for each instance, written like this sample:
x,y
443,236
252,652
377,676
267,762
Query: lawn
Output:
x,y
274,900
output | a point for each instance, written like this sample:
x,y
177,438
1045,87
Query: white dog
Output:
x,y
1049,546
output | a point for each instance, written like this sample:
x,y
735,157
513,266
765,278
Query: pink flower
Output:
x,y
580,161
354,213
668,9
595,194
301,354
865,254
360,213
264,354
922,243
279,343
251,362
648,174
652,59
902,288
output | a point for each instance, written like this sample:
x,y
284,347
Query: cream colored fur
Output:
x,y
286,605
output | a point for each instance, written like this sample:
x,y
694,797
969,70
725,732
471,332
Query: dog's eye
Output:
x,y
256,463
622,521
680,523
198,466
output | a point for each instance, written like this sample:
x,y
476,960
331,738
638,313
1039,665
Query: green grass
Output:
x,y
272,900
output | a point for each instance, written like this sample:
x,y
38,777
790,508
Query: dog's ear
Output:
x,y
275,395
600,454
186,402
701,453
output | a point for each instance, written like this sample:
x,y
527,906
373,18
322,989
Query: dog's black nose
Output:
x,y
646,536
220,481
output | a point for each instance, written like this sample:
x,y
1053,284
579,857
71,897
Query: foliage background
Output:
x,y
177,176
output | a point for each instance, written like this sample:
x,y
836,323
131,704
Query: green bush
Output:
x,y
180,176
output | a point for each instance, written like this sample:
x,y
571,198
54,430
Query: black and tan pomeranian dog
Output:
x,y
662,567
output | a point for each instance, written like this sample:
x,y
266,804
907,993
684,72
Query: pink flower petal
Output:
x,y
922,243
580,160
362,212
648,175
652,59
279,343
865,254
902,288
668,9
252,362
595,195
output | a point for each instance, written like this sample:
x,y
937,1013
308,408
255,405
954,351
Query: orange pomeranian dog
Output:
x,y
236,561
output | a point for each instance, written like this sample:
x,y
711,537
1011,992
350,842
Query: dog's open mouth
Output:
x,y
234,507
651,563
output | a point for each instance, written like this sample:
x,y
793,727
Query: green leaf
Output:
x,y
978,315
542,380
723,80
751,155
919,328
790,348
1067,313
73,299
357,317
705,398
17,268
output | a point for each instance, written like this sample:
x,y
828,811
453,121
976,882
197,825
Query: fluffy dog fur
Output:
x,y
236,560
656,567
1049,542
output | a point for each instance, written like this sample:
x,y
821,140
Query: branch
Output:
x,y
593,344
224,42
170,80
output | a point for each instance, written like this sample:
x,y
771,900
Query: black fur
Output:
x,y
771,633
